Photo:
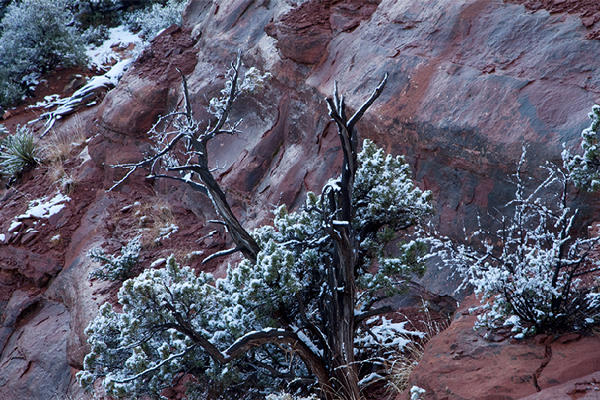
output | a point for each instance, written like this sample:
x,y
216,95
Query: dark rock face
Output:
x,y
588,11
303,34
34,363
470,82
583,388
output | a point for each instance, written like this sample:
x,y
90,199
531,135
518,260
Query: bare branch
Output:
x,y
195,185
231,97
146,161
186,96
221,253
376,93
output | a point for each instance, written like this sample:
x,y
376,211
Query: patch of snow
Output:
x,y
14,225
157,262
44,208
166,232
46,102
2,237
84,156
372,377
103,55
416,393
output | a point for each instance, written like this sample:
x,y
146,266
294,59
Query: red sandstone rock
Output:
x,y
303,33
33,361
460,363
470,81
582,388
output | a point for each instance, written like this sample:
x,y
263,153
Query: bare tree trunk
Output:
x,y
342,273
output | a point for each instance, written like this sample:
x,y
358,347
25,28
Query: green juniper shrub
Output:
x,y
37,36
117,267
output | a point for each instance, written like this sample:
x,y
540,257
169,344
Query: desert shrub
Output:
x,y
37,36
3,5
117,267
18,153
155,17
584,169
533,271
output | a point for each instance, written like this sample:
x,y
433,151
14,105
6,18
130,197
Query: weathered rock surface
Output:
x,y
583,388
34,363
470,82
460,363
588,11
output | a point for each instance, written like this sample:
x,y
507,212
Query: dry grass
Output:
x,y
400,366
59,146
57,173
188,254
156,220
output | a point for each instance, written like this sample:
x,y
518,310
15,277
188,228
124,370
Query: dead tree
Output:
x,y
189,141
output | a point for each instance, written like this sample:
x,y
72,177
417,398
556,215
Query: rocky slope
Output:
x,y
470,82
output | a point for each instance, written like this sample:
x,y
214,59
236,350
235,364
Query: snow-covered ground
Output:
x,y
115,55
114,48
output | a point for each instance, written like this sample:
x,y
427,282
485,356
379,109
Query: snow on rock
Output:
x,y
14,225
105,54
84,156
44,208
114,56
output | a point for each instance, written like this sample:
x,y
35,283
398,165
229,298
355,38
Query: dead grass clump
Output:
x,y
157,222
400,366
59,146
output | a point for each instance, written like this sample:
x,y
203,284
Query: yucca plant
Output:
x,y
18,153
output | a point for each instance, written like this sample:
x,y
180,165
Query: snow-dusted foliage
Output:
x,y
254,80
287,396
169,313
584,169
533,273
416,393
155,17
37,35
299,312
18,153
117,267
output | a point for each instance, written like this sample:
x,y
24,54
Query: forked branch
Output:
x,y
189,143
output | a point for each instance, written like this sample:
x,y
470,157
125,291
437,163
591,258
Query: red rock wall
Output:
x,y
470,82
